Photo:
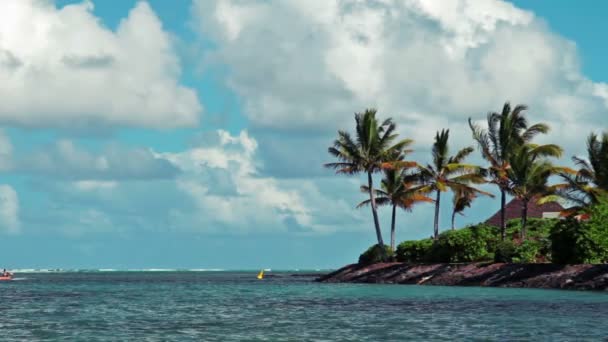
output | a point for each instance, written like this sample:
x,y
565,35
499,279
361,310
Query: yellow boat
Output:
x,y
261,275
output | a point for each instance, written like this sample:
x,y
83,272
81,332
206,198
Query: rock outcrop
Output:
x,y
546,276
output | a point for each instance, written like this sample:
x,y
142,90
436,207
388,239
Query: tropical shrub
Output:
x,y
574,242
414,251
505,251
526,252
376,254
598,229
536,228
464,245
567,239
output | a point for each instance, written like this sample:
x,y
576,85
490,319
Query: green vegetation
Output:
x,y
506,132
464,245
398,190
587,185
449,172
562,241
414,251
528,251
515,164
462,199
374,254
529,174
575,242
373,150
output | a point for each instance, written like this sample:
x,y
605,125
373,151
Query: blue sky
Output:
x,y
192,133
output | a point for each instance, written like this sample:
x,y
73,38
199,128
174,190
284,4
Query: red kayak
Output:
x,y
6,278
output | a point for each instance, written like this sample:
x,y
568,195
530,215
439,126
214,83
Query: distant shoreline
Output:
x,y
541,276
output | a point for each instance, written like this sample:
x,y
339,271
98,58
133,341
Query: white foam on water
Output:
x,y
205,270
38,270
153,270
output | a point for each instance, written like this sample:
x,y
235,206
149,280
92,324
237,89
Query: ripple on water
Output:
x,y
225,306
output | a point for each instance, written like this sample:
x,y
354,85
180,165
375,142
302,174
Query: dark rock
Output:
x,y
546,276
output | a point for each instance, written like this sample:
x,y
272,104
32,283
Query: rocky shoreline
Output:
x,y
543,276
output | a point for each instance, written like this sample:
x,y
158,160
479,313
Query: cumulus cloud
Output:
x,y
429,65
217,189
64,68
9,210
224,183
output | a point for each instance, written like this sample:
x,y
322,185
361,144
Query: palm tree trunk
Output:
x,y
370,184
503,225
453,217
436,226
524,218
393,229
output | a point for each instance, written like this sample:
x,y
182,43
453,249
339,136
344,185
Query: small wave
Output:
x,y
153,270
205,270
38,270
24,270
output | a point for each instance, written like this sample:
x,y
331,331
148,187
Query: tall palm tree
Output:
x,y
506,131
585,186
449,172
529,175
463,198
373,149
398,189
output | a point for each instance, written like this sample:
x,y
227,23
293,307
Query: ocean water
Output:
x,y
235,306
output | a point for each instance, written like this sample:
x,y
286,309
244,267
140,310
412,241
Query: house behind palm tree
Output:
x,y
513,211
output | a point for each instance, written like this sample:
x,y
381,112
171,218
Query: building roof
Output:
x,y
513,211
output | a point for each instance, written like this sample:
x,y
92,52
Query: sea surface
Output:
x,y
285,306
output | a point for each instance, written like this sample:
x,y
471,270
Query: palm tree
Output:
x,y
374,149
585,186
398,189
462,199
529,175
449,172
505,133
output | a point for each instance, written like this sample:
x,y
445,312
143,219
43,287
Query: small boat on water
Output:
x,y
6,276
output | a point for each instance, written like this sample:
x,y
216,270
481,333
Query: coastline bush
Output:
x,y
526,252
414,250
505,251
475,243
574,242
376,254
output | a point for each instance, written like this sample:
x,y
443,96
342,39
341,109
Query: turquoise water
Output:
x,y
234,306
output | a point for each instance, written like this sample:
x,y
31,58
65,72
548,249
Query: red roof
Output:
x,y
513,211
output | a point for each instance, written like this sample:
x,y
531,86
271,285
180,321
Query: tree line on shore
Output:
x,y
515,164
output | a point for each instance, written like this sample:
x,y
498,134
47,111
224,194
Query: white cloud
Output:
x,y
250,202
302,68
421,62
92,185
9,210
231,196
218,190
64,68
